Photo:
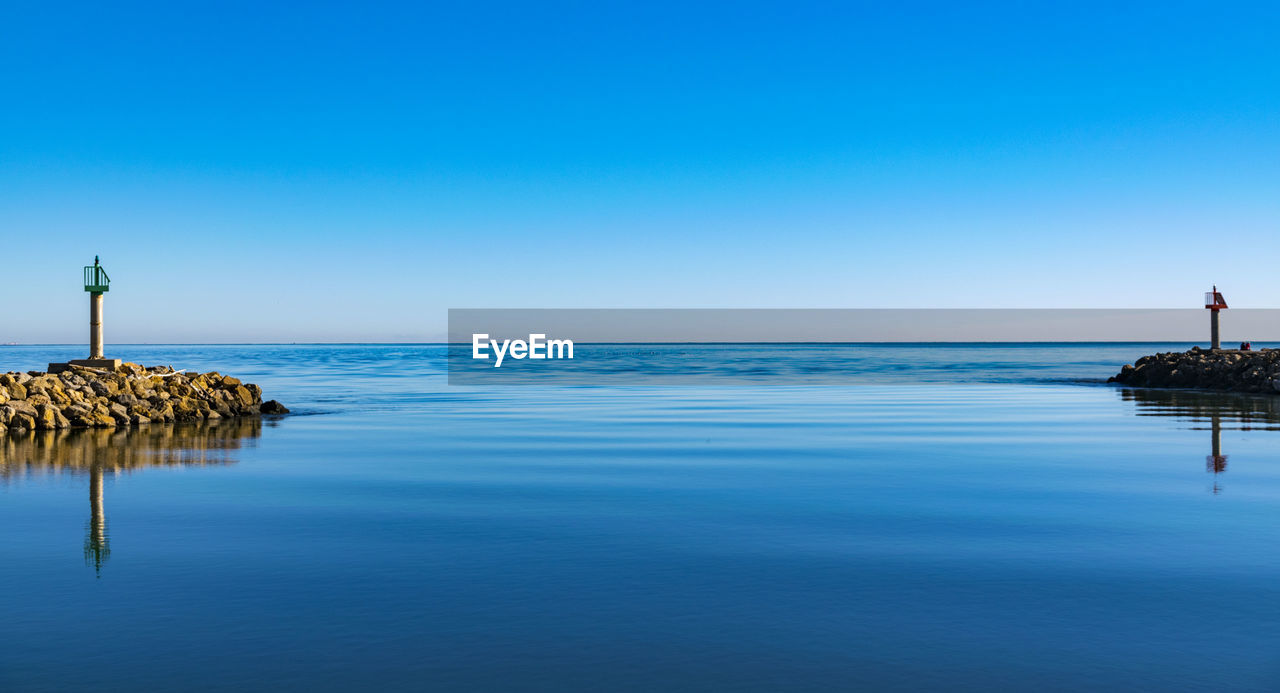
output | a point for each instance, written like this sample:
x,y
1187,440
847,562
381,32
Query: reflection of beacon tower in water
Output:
x,y
1216,462
96,548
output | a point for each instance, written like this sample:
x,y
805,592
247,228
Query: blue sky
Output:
x,y
347,172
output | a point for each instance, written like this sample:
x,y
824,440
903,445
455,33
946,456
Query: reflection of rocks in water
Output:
x,y
1209,411
157,445
93,452
1245,411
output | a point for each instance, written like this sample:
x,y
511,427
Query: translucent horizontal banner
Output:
x,y
819,346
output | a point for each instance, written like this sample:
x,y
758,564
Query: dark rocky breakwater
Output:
x,y
1225,369
127,396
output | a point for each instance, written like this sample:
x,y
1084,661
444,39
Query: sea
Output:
x,y
830,517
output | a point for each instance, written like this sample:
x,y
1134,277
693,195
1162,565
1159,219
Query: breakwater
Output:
x,y
129,395
1223,369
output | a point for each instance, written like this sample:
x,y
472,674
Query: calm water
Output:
x,y
1011,523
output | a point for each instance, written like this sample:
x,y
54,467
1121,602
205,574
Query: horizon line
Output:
x,y
589,343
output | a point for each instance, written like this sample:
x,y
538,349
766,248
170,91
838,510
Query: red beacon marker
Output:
x,y
1214,301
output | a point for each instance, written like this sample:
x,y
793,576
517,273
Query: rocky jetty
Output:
x,y
1225,369
130,395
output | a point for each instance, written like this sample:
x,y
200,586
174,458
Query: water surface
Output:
x,y
990,517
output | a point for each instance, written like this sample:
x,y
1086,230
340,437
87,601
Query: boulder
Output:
x,y
23,421
243,396
21,406
15,388
273,407
48,418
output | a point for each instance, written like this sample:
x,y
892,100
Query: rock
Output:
x,y
15,388
130,369
48,418
23,421
81,420
273,407
164,412
243,395
21,406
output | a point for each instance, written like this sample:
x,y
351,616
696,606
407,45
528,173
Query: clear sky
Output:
x,y
347,172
